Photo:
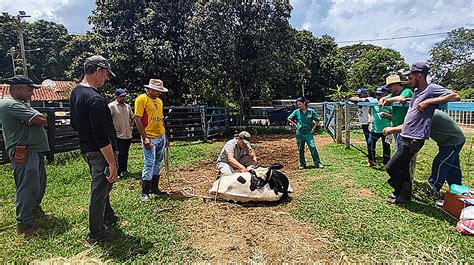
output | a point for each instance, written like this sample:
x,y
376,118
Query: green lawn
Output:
x,y
346,198
349,199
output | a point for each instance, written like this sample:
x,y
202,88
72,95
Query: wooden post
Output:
x,y
202,110
51,118
347,125
339,114
324,115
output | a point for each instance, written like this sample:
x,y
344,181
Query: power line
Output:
x,y
395,38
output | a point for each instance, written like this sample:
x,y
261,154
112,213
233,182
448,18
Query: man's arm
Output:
x,y
39,120
108,154
234,163
385,101
253,155
391,130
450,96
357,99
141,130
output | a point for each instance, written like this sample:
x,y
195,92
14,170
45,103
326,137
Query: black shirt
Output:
x,y
91,118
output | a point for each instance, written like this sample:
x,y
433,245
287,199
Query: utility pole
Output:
x,y
12,53
17,19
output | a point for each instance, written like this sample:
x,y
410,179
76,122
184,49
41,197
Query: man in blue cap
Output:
x,y
26,142
122,116
416,129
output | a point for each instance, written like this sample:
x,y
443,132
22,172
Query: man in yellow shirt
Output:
x,y
150,123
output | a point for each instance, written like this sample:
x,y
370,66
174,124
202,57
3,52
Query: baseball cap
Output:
x,y
22,80
120,92
381,90
418,67
244,135
361,91
99,61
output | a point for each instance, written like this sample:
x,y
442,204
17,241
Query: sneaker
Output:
x,y
439,202
106,237
301,167
29,230
320,166
145,198
111,220
392,196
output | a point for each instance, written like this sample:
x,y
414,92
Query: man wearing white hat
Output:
x,y
149,119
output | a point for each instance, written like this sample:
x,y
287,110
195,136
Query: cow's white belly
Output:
x,y
228,188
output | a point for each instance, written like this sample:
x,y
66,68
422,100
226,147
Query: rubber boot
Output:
x,y
154,185
405,193
146,184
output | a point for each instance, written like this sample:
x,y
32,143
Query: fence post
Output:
x,y
339,114
347,124
202,110
324,114
51,118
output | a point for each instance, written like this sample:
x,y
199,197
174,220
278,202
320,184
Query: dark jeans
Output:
x,y
365,129
99,203
30,182
446,166
372,144
123,147
398,168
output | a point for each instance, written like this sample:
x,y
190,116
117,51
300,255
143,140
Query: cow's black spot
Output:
x,y
241,180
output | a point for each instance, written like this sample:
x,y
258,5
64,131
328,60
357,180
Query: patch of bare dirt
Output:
x,y
227,232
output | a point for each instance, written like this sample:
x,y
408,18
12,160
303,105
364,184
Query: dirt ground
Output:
x,y
228,232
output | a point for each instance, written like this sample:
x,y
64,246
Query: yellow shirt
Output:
x,y
151,113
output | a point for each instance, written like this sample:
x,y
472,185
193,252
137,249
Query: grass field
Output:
x,y
346,198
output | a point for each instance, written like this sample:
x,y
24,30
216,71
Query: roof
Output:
x,y
58,92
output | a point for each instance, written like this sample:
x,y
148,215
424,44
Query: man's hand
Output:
x,y
112,177
422,105
242,169
385,115
383,102
147,143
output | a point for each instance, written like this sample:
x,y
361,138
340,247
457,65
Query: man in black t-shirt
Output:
x,y
91,118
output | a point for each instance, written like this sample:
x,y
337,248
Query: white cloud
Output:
x,y
370,19
71,13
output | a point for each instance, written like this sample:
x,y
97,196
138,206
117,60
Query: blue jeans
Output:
x,y
372,144
446,166
152,157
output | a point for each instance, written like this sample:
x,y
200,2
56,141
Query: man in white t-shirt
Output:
x,y
363,112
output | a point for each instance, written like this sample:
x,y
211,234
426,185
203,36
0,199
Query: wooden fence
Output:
x,y
183,123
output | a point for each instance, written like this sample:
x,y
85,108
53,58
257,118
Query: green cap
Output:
x,y
244,135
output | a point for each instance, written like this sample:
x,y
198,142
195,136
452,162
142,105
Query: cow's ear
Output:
x,y
276,166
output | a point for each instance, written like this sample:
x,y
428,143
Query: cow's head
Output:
x,y
264,173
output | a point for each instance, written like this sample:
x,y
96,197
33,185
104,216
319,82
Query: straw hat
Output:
x,y
157,85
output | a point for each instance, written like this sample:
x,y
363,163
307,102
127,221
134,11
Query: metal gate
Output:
x,y
330,118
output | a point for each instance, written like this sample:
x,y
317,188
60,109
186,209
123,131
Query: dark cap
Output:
x,y
361,91
382,90
120,92
418,67
99,61
22,80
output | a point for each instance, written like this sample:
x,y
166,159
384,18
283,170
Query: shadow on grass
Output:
x,y
126,247
429,210
53,226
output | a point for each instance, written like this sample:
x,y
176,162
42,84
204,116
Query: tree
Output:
x,y
373,66
452,60
9,37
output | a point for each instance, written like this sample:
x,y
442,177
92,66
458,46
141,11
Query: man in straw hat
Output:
x,y
149,119
236,155
398,94
91,118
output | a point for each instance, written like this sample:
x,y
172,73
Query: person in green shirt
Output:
x,y
23,127
379,118
305,120
398,94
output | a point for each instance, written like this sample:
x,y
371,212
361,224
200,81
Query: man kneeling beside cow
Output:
x,y
240,180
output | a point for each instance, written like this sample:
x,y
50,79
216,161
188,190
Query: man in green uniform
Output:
x,y
305,120
23,130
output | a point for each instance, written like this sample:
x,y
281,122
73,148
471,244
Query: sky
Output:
x,y
345,20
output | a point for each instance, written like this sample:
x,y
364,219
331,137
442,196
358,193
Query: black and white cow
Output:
x,y
259,184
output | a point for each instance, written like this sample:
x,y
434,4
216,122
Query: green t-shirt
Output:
x,y
379,122
14,116
445,131
304,121
399,113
